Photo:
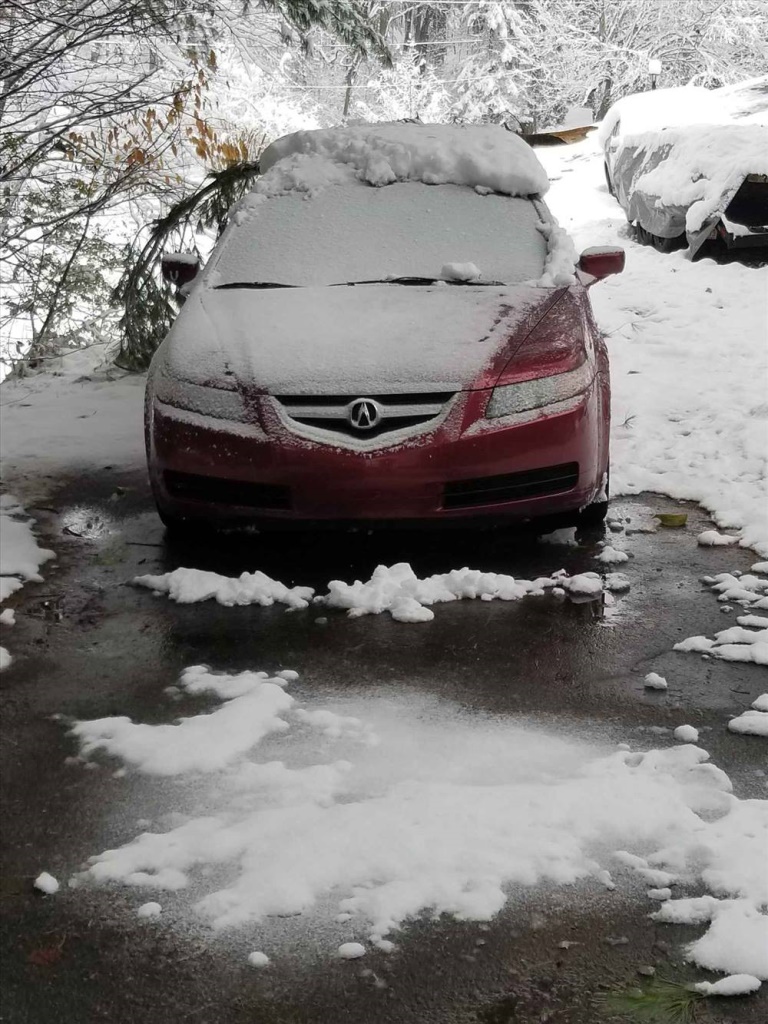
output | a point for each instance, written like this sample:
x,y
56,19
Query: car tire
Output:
x,y
179,528
608,180
666,245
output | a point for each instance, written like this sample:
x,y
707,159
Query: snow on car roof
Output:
x,y
480,156
705,164
659,108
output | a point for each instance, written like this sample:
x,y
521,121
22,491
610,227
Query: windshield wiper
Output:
x,y
254,284
416,281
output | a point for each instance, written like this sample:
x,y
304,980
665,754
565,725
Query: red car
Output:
x,y
406,353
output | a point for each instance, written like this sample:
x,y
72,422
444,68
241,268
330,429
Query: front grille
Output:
x,y
397,412
190,487
491,490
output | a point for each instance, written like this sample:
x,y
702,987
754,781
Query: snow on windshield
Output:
x,y
352,232
484,156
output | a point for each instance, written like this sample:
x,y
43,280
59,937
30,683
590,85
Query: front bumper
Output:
x,y
466,467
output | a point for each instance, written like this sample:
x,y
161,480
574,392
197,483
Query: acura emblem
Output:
x,y
364,413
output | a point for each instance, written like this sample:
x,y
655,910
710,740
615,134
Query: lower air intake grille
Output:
x,y
190,487
491,490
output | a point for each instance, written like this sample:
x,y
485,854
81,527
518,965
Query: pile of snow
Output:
x,y
45,882
395,589
445,812
380,154
688,359
750,723
713,539
704,168
733,985
188,586
398,590
20,556
653,681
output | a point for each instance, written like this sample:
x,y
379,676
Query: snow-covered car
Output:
x,y
649,111
686,183
392,328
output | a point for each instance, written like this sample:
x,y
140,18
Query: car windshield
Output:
x,y
404,233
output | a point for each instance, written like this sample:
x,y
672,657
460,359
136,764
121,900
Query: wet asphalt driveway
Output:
x,y
87,645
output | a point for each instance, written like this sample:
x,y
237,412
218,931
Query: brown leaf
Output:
x,y
46,956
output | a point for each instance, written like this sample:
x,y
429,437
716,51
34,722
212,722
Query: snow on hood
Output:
x,y
364,339
481,156
705,166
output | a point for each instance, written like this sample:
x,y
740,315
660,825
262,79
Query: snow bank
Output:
x,y
476,155
444,813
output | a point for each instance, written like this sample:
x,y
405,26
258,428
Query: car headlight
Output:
x,y
535,394
182,394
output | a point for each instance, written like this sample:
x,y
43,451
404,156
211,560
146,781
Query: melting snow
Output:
x,y
653,681
46,883
394,589
733,985
443,812
750,723
20,555
188,586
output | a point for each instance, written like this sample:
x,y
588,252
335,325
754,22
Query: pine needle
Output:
x,y
661,1001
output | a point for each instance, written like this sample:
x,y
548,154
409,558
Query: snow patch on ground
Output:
x,y
444,813
750,723
82,414
46,883
20,556
188,586
738,643
733,985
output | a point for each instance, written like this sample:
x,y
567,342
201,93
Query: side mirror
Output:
x,y
179,268
601,261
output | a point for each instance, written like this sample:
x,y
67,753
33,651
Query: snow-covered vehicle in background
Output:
x,y
648,111
700,173
391,328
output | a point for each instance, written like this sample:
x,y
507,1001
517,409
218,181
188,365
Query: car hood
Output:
x,y
362,339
